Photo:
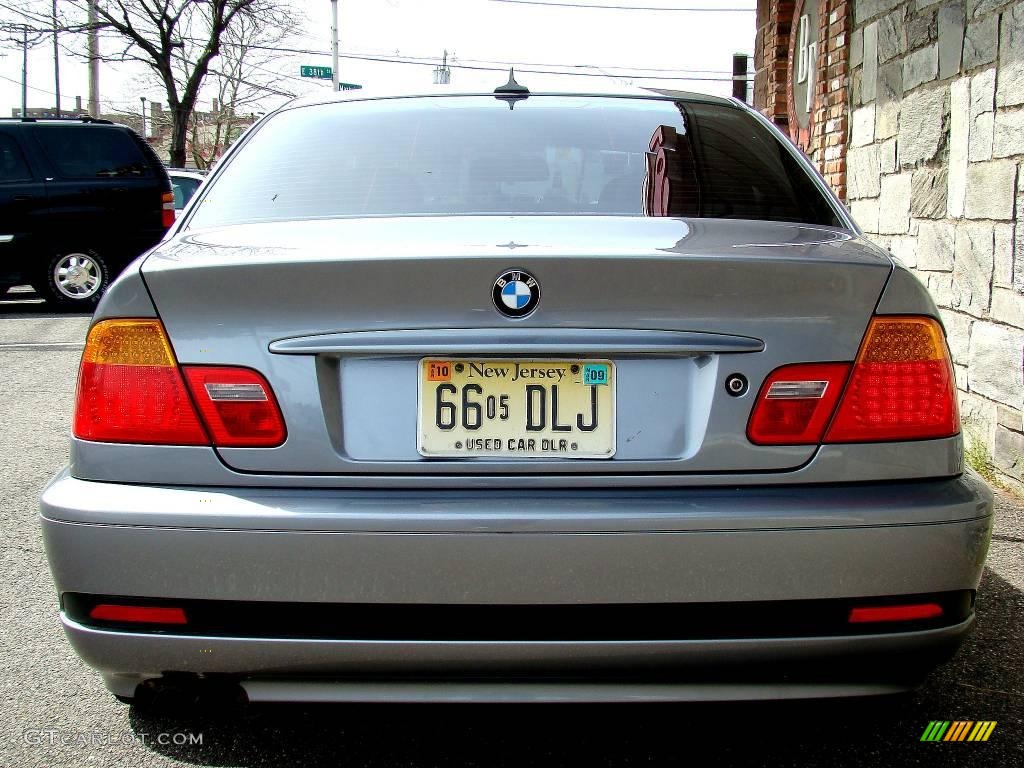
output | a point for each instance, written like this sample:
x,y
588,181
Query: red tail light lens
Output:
x,y
237,405
885,613
167,209
901,387
138,614
795,404
130,389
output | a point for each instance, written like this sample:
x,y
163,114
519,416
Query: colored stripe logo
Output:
x,y
958,730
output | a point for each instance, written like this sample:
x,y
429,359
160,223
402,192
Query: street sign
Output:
x,y
348,87
321,73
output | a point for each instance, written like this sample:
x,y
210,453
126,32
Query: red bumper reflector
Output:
x,y
881,613
138,614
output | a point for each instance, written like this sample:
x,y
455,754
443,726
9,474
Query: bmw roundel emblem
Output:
x,y
516,293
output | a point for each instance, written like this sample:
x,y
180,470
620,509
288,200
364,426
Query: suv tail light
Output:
x,y
901,387
167,209
131,390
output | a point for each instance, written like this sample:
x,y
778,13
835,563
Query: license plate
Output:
x,y
520,409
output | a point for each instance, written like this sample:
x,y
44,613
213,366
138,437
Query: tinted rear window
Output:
x,y
548,155
90,151
12,162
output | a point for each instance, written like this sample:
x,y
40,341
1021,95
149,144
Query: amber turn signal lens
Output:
x,y
128,342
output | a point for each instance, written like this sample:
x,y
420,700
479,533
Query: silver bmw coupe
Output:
x,y
516,397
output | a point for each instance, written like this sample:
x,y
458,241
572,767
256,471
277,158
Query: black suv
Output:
x,y
79,199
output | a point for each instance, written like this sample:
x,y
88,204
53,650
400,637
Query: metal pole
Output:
x,y
334,45
24,71
94,62
143,100
739,76
56,60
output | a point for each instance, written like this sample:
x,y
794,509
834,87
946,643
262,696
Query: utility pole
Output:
x,y
24,71
334,45
443,75
739,76
94,62
56,60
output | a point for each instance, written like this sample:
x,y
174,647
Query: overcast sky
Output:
x,y
477,33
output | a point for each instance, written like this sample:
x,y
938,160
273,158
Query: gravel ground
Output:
x,y
55,712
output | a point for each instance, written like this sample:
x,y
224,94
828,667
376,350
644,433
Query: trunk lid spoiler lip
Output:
x,y
382,238
557,342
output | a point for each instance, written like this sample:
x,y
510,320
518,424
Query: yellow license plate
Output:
x,y
563,409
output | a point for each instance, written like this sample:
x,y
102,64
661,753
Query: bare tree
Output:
x,y
178,40
242,80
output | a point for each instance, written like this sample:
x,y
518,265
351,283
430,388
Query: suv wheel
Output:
x,y
77,278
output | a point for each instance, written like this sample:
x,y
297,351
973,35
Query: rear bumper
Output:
x,y
532,548
342,670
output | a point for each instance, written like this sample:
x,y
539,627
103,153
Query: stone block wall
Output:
x,y
935,173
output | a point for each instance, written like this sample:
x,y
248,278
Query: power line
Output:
x,y
504,64
282,75
243,81
30,87
626,7
635,76
432,61
257,86
596,66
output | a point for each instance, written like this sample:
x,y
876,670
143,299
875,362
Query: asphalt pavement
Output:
x,y
55,712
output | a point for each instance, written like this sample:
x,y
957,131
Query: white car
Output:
x,y
184,184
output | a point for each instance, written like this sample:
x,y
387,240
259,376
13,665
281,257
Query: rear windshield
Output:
x,y
547,155
183,188
92,151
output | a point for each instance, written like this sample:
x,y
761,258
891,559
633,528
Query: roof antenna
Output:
x,y
511,91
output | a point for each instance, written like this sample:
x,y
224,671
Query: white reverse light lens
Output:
x,y
804,390
237,392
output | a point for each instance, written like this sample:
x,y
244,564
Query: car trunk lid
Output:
x,y
339,313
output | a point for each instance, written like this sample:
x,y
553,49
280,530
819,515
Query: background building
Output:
x,y
914,112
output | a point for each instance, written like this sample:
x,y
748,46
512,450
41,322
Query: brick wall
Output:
x,y
771,53
825,142
833,92
936,175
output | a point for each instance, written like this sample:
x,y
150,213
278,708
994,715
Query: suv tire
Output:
x,y
76,278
